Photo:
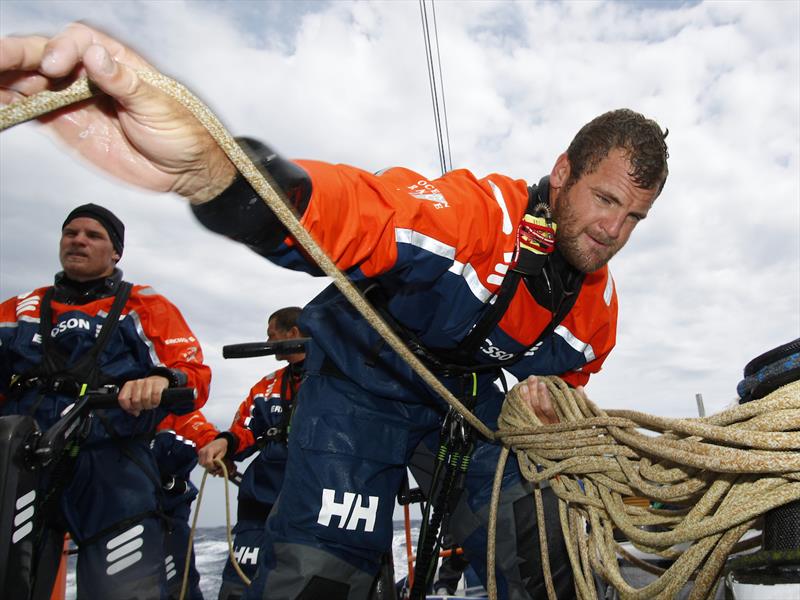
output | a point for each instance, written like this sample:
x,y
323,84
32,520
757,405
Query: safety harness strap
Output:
x,y
54,360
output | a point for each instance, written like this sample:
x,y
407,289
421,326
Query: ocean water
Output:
x,y
211,552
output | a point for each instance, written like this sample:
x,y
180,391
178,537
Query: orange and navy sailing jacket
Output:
x,y
265,407
192,429
439,249
151,335
177,440
261,424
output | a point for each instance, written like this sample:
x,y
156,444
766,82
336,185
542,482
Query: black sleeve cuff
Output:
x,y
240,214
233,443
175,377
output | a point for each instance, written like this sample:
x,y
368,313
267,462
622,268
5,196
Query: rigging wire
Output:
x,y
437,90
449,162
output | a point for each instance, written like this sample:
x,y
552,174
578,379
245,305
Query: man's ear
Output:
x,y
561,172
115,257
295,332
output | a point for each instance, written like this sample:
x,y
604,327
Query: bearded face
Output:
x,y
597,213
586,247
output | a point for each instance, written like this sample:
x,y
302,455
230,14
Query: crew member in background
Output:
x,y
175,448
93,328
260,425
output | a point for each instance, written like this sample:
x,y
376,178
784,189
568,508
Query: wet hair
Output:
x,y
642,139
286,318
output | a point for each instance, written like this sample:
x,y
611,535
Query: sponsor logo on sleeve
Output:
x,y
180,340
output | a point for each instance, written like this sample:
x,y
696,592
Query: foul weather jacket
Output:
x,y
113,492
440,250
151,338
261,425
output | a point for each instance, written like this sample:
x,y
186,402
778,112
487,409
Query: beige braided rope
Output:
x,y
719,473
45,102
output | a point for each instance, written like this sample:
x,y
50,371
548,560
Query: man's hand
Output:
x,y
212,451
142,394
134,132
535,394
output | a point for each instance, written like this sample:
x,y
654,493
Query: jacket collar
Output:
x,y
68,291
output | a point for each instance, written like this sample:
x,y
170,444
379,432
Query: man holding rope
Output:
x,y
260,426
474,274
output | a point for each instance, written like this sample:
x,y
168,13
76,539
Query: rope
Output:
x,y
721,472
718,474
198,502
40,104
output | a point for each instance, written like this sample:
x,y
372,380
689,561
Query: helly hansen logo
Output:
x,y
245,555
23,518
350,511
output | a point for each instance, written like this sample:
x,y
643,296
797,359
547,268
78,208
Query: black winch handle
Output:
x,y
55,439
252,349
170,398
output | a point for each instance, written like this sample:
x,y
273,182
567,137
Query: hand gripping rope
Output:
x,y
718,473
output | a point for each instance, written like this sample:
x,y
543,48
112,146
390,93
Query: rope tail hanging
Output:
x,y
198,503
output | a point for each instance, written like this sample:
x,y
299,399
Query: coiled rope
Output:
x,y
724,470
718,474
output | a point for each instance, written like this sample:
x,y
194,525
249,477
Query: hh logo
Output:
x,y
350,511
245,555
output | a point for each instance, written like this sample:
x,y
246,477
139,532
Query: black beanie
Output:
x,y
112,225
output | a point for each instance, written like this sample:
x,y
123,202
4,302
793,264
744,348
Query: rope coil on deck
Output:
x,y
718,474
722,471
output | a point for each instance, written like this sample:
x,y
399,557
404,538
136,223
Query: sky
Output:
x,y
710,280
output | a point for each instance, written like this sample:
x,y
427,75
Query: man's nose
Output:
x,y
612,225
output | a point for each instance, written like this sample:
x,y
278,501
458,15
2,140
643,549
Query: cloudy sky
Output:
x,y
709,281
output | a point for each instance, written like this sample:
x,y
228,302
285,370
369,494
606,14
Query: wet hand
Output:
x,y
142,394
535,394
211,452
134,132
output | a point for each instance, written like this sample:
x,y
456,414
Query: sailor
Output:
x,y
91,329
470,270
260,426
